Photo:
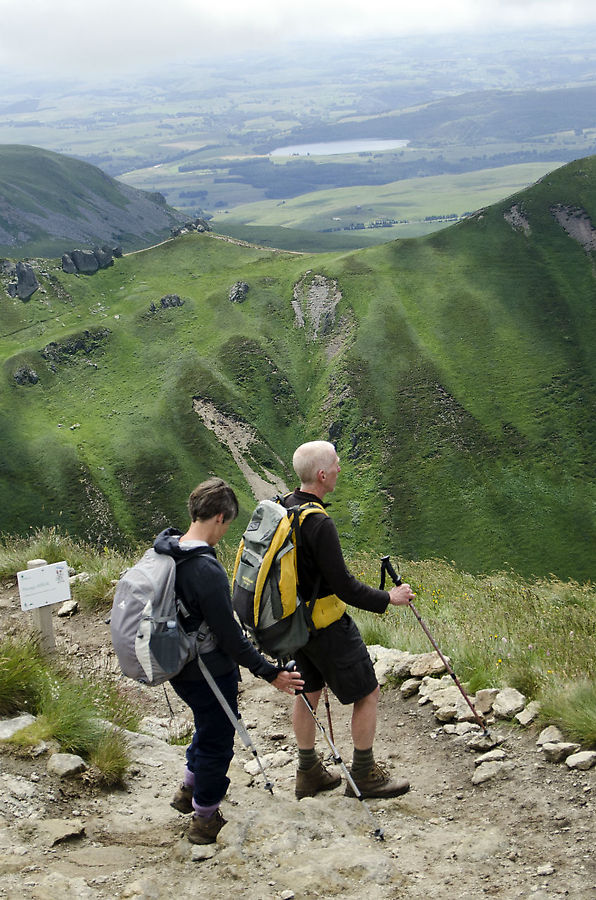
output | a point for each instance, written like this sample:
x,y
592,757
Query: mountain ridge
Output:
x,y
49,201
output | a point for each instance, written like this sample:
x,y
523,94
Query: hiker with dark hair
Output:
x,y
202,584
335,654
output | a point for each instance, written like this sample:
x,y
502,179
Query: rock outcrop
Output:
x,y
87,262
87,342
26,284
195,225
26,375
238,292
169,301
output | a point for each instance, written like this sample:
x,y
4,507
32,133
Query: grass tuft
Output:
x,y
572,706
21,677
110,757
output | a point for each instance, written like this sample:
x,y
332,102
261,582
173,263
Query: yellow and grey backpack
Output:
x,y
265,591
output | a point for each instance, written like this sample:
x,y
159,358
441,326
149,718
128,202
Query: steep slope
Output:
x,y
456,373
48,201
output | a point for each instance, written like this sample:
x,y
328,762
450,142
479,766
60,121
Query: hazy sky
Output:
x,y
74,34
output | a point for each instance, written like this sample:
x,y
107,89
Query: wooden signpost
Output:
x,y
40,587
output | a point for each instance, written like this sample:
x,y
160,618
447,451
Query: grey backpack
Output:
x,y
147,626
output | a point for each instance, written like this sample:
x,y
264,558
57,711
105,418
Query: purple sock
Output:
x,y
189,778
204,812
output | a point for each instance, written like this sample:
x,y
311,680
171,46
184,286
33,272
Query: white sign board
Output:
x,y
44,585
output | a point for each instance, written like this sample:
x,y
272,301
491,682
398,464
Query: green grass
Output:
x,y
500,631
68,709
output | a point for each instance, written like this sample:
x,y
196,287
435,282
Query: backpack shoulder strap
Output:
x,y
311,506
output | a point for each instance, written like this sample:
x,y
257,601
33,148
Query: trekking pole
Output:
x,y
387,567
235,720
328,708
378,831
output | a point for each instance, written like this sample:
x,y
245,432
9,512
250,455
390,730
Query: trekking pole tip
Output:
x,y
379,834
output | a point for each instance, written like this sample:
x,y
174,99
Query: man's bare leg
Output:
x,y
303,722
364,720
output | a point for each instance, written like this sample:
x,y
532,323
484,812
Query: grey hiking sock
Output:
x,y
307,759
362,760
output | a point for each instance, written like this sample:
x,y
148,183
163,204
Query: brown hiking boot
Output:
x,y
310,781
377,783
205,831
182,799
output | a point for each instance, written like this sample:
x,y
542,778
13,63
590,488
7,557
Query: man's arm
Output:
x,y
320,534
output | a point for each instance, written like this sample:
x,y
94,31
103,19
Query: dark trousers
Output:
x,y
211,750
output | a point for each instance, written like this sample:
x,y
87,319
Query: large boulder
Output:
x,y
89,261
85,261
104,257
68,265
27,282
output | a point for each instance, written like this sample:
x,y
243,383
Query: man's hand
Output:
x,y
400,596
288,682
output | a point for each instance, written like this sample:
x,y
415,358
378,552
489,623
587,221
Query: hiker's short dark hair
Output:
x,y
210,498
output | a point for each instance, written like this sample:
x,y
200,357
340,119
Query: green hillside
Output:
x,y
49,201
456,373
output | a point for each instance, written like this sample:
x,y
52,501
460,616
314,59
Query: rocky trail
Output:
x,y
527,831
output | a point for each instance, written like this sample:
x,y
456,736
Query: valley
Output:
x,y
205,133
455,372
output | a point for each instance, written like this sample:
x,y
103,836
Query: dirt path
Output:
x,y
529,834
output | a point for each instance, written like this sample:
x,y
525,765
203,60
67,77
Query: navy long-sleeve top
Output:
x,y
203,586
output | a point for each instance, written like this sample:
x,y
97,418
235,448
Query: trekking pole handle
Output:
x,y
387,567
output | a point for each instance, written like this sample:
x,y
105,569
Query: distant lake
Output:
x,y
333,147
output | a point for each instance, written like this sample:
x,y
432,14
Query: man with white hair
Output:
x,y
335,654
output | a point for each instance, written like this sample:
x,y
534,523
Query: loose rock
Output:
x,y
66,765
529,714
550,735
488,771
584,760
484,699
9,727
427,664
507,703
557,753
491,756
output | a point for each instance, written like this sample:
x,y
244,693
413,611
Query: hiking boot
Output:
x,y
377,783
205,831
182,799
310,781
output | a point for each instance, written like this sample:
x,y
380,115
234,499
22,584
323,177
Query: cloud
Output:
x,y
76,36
